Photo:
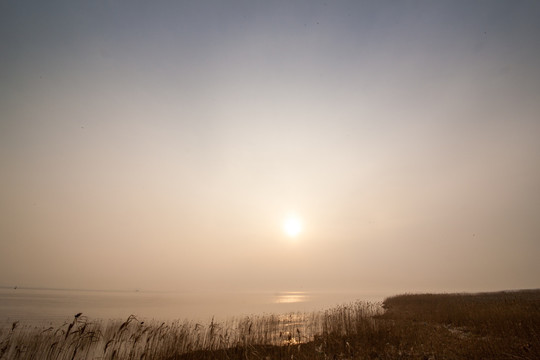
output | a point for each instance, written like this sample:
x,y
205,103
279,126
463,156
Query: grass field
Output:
x,y
502,325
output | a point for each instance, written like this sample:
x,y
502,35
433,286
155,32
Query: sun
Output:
x,y
292,226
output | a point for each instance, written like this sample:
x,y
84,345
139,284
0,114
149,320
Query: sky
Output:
x,y
161,145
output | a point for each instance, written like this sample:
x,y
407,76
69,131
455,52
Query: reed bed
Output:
x,y
504,325
81,338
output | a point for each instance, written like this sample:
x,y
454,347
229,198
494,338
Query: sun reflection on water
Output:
x,y
290,297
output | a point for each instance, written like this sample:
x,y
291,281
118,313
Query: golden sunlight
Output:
x,y
290,297
292,226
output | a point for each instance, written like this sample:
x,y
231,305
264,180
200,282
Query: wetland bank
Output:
x,y
497,325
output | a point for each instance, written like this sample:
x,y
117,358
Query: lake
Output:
x,y
52,307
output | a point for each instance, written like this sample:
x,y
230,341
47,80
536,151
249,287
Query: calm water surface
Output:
x,y
50,307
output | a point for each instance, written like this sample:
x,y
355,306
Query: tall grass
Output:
x,y
502,325
134,339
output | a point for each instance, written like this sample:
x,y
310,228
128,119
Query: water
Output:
x,y
53,307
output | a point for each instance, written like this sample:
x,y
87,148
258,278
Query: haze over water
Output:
x,y
259,147
53,307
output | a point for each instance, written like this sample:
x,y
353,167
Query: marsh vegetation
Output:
x,y
503,325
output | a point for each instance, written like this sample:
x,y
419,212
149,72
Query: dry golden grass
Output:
x,y
504,325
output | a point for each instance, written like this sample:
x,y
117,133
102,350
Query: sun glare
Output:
x,y
292,226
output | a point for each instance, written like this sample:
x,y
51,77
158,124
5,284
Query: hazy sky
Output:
x,y
160,144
